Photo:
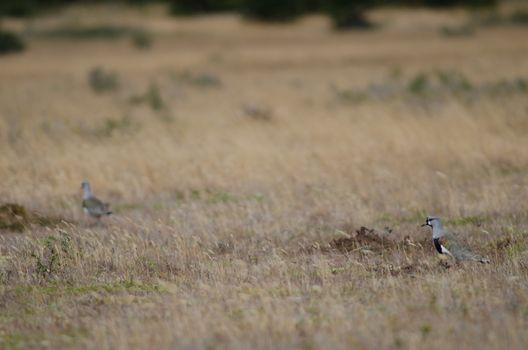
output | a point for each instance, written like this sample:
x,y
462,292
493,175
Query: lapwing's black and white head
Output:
x,y
434,223
431,220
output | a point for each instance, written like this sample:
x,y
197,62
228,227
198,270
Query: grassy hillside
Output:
x,y
240,161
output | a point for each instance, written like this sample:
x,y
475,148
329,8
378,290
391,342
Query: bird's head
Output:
x,y
432,221
87,191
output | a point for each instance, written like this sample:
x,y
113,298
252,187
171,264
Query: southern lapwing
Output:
x,y
91,205
448,244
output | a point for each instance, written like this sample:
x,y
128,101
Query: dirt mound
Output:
x,y
16,218
364,238
13,217
371,240
411,269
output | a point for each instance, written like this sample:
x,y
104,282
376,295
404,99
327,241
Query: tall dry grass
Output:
x,y
224,221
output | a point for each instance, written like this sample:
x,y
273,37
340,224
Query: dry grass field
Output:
x,y
241,160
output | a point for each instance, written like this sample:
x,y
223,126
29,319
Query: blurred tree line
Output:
x,y
345,13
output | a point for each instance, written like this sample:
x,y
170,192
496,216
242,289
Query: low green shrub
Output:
x,y
101,81
519,17
152,97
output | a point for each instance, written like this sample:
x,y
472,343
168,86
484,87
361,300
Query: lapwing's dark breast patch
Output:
x,y
438,243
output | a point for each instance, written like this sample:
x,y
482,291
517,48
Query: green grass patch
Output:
x,y
127,206
418,216
58,250
511,245
214,196
420,84
203,80
466,220
432,86
33,338
221,197
415,216
111,127
152,97
351,96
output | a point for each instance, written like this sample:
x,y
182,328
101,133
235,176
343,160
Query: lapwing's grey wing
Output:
x,y
96,207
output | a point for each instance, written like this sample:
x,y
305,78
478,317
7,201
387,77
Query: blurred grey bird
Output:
x,y
448,244
92,206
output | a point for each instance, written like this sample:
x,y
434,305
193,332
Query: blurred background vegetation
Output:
x,y
266,10
345,14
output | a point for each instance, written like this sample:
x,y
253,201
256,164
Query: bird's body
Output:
x,y
448,244
92,206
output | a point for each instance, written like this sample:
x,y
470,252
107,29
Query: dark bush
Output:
x,y
264,10
273,10
25,8
350,14
195,7
141,40
102,81
18,8
10,42
519,17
